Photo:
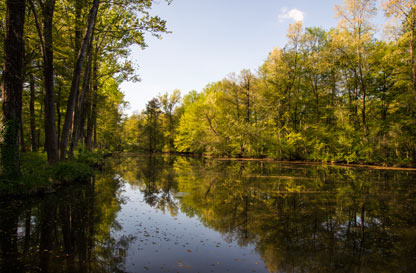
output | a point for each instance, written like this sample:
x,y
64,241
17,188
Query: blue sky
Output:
x,y
212,38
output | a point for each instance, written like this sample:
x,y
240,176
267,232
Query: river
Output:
x,y
185,214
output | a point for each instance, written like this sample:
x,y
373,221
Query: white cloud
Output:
x,y
293,14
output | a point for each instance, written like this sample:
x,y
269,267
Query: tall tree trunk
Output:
x,y
364,94
76,80
92,118
12,85
413,53
40,122
51,139
95,133
86,115
22,136
78,115
85,112
78,27
58,112
32,113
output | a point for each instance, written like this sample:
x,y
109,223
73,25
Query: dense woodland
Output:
x,y
63,63
337,95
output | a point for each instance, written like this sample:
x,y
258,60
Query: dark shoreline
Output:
x,y
272,160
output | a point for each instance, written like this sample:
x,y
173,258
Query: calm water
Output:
x,y
177,214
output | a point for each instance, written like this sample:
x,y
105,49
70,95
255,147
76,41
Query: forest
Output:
x,y
305,164
63,63
345,95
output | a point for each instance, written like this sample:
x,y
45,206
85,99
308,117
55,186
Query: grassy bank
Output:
x,y
38,177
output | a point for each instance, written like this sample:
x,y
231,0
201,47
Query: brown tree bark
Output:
x,y
51,139
46,43
32,113
412,52
76,80
12,86
58,113
78,115
92,117
22,135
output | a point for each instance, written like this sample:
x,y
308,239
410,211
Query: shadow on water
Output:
x,y
294,218
65,232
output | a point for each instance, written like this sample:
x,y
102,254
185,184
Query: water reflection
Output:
x,y
299,218
200,215
64,232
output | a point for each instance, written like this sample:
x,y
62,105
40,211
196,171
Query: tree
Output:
x,y
168,104
152,127
86,43
12,86
46,43
355,26
404,11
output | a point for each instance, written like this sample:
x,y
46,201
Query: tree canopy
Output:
x,y
336,95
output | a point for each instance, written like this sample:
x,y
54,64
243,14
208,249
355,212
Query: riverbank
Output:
x,y
351,165
39,178
382,166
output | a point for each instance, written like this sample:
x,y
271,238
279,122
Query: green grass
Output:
x,y
38,176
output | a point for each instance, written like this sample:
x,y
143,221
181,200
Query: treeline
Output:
x,y
63,63
337,95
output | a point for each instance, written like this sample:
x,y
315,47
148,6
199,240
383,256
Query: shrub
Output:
x,y
71,171
90,158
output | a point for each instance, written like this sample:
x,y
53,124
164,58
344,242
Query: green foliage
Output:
x,y
35,170
37,175
90,158
154,129
331,96
9,160
71,171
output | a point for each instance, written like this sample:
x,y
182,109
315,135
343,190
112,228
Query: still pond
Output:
x,y
182,214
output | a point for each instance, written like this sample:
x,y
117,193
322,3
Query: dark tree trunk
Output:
x,y
85,112
51,139
79,115
95,133
78,27
12,85
22,136
58,112
413,53
92,118
76,80
86,115
32,113
39,132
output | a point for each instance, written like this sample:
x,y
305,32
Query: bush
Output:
x,y
93,159
35,175
71,171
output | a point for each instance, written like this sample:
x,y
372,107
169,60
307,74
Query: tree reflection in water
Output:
x,y
300,218
64,232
